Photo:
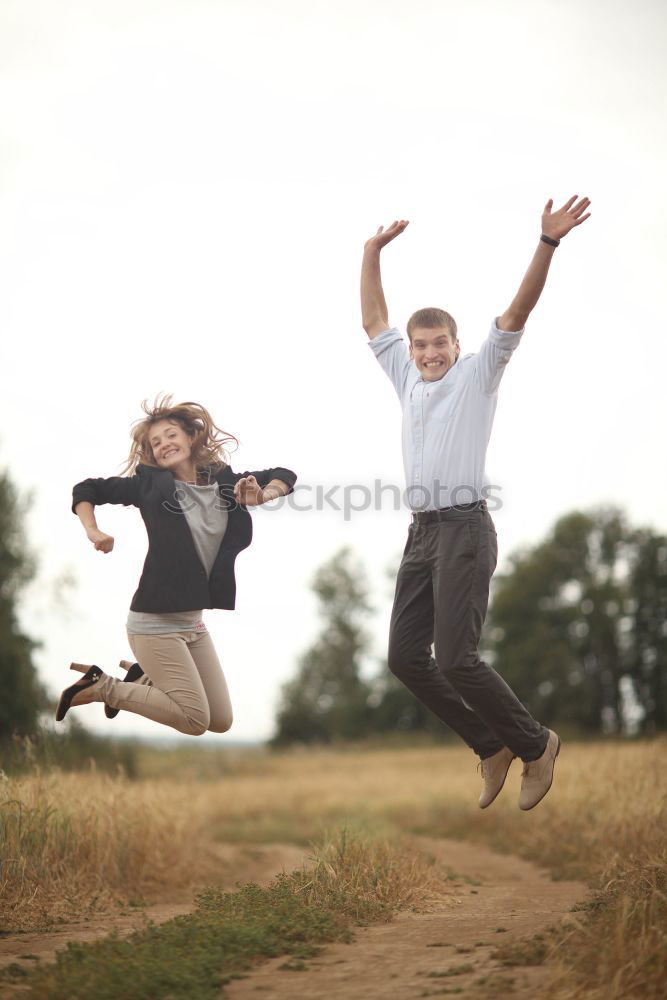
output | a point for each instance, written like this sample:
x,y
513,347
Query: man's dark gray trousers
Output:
x,y
442,593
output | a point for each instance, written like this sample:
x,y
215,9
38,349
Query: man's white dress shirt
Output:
x,y
446,424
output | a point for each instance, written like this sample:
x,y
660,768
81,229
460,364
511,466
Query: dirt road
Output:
x,y
498,899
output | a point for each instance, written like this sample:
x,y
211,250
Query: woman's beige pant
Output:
x,y
183,684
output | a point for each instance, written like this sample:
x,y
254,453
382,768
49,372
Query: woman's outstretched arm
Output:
x,y
92,492
86,514
260,486
249,493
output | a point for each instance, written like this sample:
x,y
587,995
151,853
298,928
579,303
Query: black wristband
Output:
x,y
547,239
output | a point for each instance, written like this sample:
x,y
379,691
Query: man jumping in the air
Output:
x,y
442,588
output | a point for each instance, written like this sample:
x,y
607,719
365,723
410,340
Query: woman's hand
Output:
x,y
248,492
102,542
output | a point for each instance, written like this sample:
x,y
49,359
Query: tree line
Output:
x,y
24,739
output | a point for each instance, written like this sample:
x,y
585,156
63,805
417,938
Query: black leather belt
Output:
x,y
430,516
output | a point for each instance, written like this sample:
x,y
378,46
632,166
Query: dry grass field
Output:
x,y
75,844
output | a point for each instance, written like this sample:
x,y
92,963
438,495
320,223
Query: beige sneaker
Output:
x,y
494,771
538,774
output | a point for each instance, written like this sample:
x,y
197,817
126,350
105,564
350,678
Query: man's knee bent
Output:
x,y
405,661
460,664
396,661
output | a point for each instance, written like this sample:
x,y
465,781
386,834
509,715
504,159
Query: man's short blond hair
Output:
x,y
431,319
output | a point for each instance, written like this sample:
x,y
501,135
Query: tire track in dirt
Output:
x,y
496,899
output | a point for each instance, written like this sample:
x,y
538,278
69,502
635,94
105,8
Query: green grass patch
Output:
x,y
194,955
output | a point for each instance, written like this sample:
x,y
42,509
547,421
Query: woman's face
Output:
x,y
170,443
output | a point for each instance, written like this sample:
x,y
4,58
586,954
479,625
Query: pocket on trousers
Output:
x,y
472,534
493,547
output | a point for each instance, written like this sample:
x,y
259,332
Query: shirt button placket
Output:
x,y
418,434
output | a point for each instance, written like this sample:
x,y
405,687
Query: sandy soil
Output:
x,y
497,899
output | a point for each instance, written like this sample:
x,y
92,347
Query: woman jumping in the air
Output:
x,y
194,509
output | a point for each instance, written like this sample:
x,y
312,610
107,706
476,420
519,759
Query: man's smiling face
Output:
x,y
434,351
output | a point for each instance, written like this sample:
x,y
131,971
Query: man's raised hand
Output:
x,y
384,236
374,315
558,224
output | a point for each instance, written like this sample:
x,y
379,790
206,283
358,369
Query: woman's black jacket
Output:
x,y
173,577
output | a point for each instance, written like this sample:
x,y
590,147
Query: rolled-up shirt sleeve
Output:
x,y
392,353
265,476
117,489
493,355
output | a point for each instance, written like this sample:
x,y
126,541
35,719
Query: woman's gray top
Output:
x,y
207,520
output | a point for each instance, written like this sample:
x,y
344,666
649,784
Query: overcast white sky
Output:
x,y
185,192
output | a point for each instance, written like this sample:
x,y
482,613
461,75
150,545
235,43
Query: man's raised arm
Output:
x,y
555,225
374,314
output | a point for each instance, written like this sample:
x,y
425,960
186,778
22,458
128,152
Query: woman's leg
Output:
x,y
175,697
206,659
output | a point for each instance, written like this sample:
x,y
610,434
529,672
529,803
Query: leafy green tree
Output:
x,y
22,695
328,698
577,624
645,627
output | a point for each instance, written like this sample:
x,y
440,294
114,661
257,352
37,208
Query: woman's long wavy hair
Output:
x,y
208,440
